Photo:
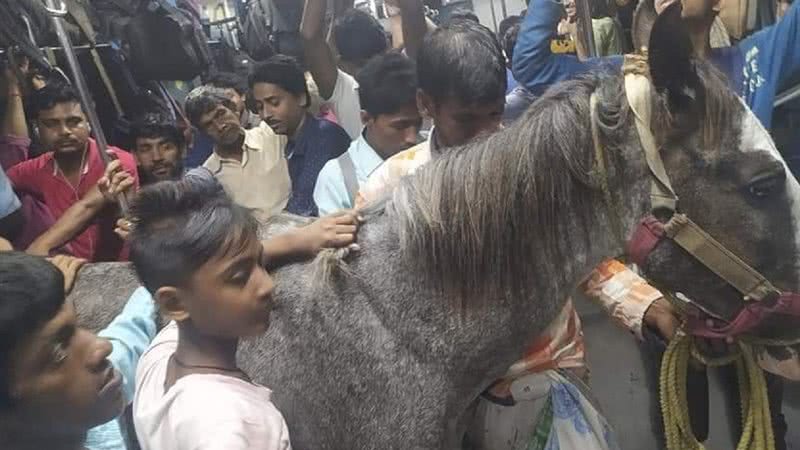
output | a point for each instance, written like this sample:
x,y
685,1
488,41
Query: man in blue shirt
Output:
x,y
281,97
759,66
387,92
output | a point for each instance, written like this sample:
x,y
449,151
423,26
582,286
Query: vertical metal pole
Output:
x,y
503,9
494,17
585,31
58,11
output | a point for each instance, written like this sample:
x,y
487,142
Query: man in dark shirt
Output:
x,y
281,97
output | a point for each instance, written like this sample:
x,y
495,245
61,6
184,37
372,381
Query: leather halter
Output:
x,y
753,286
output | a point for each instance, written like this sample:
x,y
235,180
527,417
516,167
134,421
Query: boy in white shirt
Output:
x,y
198,254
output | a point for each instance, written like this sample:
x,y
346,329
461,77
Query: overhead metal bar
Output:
x,y
58,11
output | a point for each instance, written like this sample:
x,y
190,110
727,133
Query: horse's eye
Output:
x,y
765,187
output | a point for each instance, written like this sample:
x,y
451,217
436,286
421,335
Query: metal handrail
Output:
x,y
787,96
58,11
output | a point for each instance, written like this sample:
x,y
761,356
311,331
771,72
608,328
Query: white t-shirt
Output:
x,y
346,104
201,411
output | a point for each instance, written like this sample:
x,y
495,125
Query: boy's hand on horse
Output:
x,y
337,230
69,267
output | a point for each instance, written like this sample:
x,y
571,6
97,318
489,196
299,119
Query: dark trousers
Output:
x,y
653,349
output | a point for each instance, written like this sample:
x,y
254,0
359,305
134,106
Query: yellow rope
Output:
x,y
756,421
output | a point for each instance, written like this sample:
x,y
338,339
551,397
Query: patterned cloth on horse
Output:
x,y
553,411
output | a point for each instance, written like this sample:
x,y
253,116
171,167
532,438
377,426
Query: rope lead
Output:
x,y
757,433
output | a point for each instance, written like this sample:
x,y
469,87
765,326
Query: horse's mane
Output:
x,y
487,192
535,174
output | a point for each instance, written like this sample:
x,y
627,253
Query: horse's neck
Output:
x,y
591,243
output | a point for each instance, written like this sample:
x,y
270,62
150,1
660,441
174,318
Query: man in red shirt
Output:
x,y
69,172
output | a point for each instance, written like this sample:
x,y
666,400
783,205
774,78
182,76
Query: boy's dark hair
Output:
x,y
180,225
153,126
464,61
506,24
228,80
49,96
509,41
358,36
282,71
31,294
387,83
204,99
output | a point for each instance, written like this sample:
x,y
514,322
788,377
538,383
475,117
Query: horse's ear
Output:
x,y
672,67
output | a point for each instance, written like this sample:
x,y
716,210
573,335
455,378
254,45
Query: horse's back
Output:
x,y
101,292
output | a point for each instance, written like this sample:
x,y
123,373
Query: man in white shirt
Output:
x,y
358,38
388,89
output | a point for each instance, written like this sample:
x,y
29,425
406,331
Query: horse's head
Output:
x,y
729,177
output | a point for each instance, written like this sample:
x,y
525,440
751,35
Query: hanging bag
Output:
x,y
166,42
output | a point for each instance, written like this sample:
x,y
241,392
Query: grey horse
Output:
x,y
465,262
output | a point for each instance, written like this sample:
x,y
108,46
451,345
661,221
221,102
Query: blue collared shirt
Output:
x,y
130,334
8,200
318,142
331,192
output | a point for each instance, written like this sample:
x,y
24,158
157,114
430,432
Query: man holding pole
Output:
x,y
68,174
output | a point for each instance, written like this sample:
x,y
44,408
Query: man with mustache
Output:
x,y
159,148
248,163
68,173
281,97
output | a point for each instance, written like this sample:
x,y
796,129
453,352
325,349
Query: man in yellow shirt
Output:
x,y
249,164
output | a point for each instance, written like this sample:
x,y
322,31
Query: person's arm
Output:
x,y
14,123
24,176
69,224
13,150
130,334
629,299
334,231
69,267
115,182
413,24
318,55
535,66
788,367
